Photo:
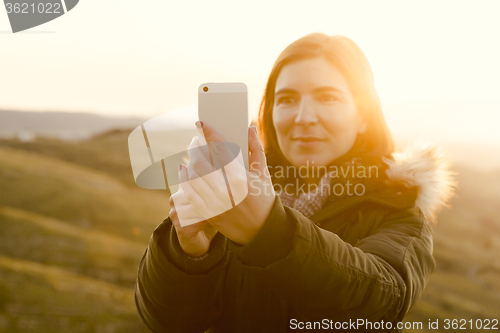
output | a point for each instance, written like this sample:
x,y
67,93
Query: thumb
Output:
x,y
257,160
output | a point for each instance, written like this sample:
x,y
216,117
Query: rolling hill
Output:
x,y
72,232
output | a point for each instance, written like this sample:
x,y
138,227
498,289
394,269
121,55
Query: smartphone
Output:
x,y
225,107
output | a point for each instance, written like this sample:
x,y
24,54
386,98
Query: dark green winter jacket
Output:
x,y
360,259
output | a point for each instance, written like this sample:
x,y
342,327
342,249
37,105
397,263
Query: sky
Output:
x,y
435,63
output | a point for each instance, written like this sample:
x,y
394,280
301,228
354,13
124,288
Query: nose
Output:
x,y
306,115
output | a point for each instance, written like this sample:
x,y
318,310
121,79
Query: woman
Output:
x,y
332,248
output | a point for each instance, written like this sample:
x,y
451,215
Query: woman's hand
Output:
x,y
194,239
242,222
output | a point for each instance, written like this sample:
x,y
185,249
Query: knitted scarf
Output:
x,y
336,184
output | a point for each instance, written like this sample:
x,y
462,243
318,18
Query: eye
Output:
x,y
327,98
285,100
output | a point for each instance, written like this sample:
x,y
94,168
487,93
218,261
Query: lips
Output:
x,y
308,142
307,139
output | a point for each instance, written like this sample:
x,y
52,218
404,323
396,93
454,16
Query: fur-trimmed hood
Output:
x,y
423,165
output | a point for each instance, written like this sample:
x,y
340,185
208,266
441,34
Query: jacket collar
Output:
x,y
425,167
423,179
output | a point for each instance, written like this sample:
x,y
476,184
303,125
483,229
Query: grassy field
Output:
x,y
73,228
466,283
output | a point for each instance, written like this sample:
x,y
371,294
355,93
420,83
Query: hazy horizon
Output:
x,y
481,155
428,119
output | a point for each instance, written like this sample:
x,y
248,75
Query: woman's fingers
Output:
x,y
202,135
178,198
203,185
203,179
190,193
199,195
212,189
173,216
209,133
199,156
220,149
187,212
257,159
198,165
206,180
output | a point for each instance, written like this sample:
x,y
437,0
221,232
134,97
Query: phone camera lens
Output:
x,y
205,89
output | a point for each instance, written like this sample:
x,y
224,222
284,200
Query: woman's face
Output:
x,y
314,113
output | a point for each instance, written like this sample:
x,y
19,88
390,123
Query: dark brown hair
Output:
x,y
347,57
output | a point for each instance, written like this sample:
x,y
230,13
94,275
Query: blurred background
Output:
x,y
73,224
